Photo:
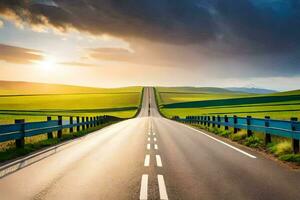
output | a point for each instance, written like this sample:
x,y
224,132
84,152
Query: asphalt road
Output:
x,y
150,157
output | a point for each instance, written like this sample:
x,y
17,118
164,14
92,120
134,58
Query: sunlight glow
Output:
x,y
48,63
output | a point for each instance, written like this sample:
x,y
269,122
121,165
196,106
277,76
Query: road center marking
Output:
x,y
158,161
149,139
147,160
148,146
144,187
220,141
149,133
155,139
155,146
153,133
162,187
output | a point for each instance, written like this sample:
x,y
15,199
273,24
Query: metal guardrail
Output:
x,y
21,129
287,129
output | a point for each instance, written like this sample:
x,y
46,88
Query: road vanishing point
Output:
x,y
148,157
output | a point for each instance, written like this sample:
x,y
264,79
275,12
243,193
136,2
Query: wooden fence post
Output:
x,y
91,122
226,121
208,121
87,121
83,125
205,122
219,121
267,135
201,120
21,142
295,141
71,123
49,134
249,132
59,132
213,121
235,121
95,122
77,122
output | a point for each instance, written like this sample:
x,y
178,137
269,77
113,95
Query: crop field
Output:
x,y
119,102
182,103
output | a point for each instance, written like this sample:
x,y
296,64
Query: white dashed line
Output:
x,y
149,133
158,161
147,160
144,187
155,147
220,141
155,139
148,146
153,133
162,187
149,139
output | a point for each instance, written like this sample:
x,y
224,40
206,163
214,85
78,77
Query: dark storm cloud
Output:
x,y
241,29
243,25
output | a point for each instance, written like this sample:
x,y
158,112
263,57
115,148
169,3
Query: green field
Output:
x,y
211,101
33,101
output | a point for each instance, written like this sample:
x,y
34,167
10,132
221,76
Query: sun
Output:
x,y
47,64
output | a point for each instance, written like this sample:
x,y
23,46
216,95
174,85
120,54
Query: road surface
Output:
x,y
150,157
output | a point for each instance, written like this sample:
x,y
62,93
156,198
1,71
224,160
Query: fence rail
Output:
x,y
287,129
21,129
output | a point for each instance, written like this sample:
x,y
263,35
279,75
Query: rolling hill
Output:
x,y
29,88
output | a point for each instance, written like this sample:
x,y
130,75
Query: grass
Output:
x,y
211,101
281,148
13,152
182,103
33,101
241,135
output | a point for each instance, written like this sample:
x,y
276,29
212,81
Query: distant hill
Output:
x,y
251,90
292,92
29,88
195,90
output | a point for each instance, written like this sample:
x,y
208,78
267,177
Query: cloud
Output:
x,y
80,64
18,55
111,54
246,26
241,38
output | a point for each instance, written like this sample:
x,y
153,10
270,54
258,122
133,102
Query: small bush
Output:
x,y
238,136
291,158
253,141
281,148
225,133
214,130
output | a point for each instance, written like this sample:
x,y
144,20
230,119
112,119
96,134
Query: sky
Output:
x,y
112,43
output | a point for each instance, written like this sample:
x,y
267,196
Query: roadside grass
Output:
x,y
184,102
119,102
280,147
28,116
31,145
241,135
